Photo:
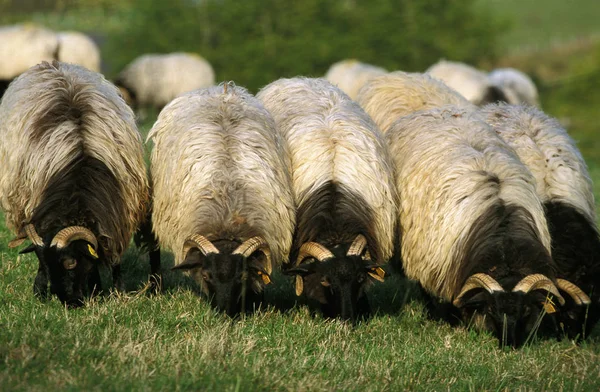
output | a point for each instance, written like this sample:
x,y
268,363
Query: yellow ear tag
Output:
x,y
377,273
549,306
92,252
265,278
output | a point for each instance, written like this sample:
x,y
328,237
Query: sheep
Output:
x,y
223,200
473,84
473,229
78,48
155,79
342,182
519,87
565,188
351,75
387,97
23,46
74,180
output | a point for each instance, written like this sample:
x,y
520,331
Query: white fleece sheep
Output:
x,y
351,75
77,48
156,79
388,97
220,169
23,46
519,87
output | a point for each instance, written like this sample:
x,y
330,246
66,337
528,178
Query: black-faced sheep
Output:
x,y
473,84
388,97
473,229
565,188
343,184
73,179
223,200
155,79
518,87
351,75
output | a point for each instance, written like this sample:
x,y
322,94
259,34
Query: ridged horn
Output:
x,y
475,281
200,242
33,236
575,292
538,282
358,245
73,233
315,250
253,244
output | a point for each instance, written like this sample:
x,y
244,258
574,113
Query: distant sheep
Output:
x,y
473,229
351,75
78,48
73,179
468,81
223,200
565,188
343,184
156,79
388,97
519,87
23,46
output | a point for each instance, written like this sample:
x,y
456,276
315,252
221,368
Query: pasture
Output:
x,y
174,341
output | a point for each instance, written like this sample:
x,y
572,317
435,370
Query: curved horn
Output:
x,y
253,244
575,292
357,247
33,236
73,233
538,282
200,242
315,250
475,281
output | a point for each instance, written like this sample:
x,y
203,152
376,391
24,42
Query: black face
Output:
x,y
70,271
222,277
338,284
511,317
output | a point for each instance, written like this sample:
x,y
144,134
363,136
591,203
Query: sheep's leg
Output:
x,y
118,278
40,285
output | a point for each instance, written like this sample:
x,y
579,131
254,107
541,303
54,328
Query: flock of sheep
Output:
x,y
489,208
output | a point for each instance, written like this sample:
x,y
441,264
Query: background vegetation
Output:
x,y
174,341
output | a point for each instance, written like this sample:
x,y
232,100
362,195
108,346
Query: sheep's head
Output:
x,y
336,279
510,315
68,261
231,276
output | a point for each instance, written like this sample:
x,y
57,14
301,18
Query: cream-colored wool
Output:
x,y
331,139
156,79
447,161
23,46
521,87
220,169
78,48
351,75
467,80
37,141
386,98
549,152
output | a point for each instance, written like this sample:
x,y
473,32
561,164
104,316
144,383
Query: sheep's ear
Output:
x,y
477,300
302,269
193,259
262,273
29,249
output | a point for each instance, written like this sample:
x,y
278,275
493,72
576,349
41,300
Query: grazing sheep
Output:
x,y
351,75
342,180
73,179
222,192
387,97
78,48
156,79
473,229
519,87
468,81
565,188
23,46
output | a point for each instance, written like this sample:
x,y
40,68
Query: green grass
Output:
x,y
538,24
